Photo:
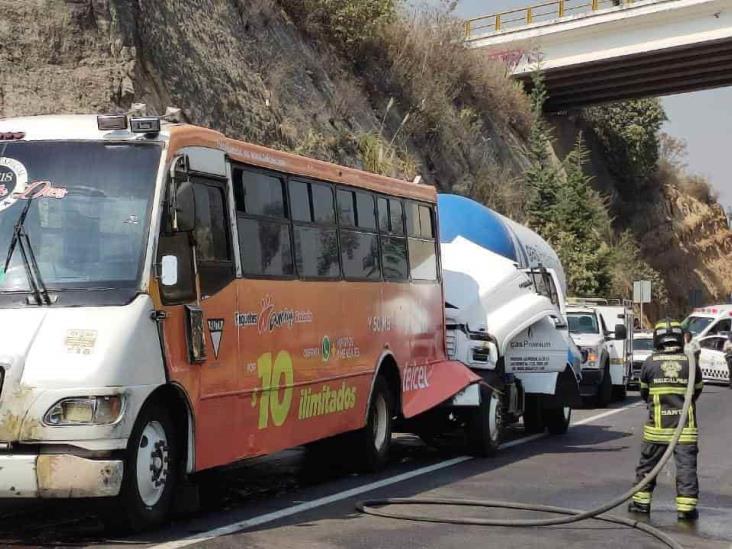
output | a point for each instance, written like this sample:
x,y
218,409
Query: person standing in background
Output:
x,y
727,350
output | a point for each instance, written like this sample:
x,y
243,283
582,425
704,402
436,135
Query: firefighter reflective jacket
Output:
x,y
663,383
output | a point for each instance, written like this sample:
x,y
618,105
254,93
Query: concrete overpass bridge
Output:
x,y
595,51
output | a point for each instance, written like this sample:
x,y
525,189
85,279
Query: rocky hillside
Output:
x,y
690,243
411,102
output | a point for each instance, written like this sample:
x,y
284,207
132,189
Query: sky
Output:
x,y
702,119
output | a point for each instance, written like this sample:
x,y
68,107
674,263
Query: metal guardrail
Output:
x,y
556,9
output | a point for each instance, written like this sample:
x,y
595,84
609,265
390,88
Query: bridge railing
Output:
x,y
548,11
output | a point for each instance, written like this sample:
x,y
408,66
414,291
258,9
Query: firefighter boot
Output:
x,y
641,503
686,508
643,508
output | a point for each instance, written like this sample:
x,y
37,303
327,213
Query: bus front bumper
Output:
x,y
58,476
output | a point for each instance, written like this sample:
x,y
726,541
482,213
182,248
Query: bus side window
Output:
x,y
316,236
264,229
211,234
421,242
360,246
393,243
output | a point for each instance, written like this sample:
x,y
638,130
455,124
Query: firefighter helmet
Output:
x,y
668,334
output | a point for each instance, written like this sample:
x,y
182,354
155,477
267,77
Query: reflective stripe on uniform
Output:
x,y
667,391
642,497
684,503
643,385
692,419
657,411
655,434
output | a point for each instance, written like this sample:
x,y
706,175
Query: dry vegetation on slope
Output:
x,y
349,81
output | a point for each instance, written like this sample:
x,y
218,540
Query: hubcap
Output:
x,y
380,422
493,416
152,463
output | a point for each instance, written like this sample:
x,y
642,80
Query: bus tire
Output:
x,y
557,419
605,390
485,424
150,473
533,420
373,442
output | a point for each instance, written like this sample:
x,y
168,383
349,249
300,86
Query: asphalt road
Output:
x,y
285,501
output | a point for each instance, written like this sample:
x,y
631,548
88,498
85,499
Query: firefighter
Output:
x,y
663,381
727,350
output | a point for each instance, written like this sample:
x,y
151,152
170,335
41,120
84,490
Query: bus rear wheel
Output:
x,y
373,442
151,471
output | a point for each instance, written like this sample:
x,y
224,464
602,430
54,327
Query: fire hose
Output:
x,y
375,507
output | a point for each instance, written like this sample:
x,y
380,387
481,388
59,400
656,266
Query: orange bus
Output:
x,y
240,300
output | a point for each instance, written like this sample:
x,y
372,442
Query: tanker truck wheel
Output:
x,y
533,417
557,419
485,424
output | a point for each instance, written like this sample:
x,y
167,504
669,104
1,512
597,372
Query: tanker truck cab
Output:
x,y
589,331
504,320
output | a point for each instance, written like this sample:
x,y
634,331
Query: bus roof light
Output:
x,y
107,122
145,124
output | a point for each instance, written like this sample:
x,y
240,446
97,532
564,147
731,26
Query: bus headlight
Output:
x,y
102,410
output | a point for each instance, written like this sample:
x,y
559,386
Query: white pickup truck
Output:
x,y
504,292
603,330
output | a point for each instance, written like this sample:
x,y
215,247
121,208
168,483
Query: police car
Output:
x,y
709,320
712,361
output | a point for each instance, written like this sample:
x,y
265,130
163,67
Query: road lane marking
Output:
x,y
358,490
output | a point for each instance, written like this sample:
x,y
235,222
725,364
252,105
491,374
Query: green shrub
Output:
x,y
628,132
347,23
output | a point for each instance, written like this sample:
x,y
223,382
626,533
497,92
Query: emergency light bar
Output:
x,y
11,136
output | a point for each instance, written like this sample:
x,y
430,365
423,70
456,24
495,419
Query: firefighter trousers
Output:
x,y
687,482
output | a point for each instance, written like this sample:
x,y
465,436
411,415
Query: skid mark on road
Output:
x,y
346,494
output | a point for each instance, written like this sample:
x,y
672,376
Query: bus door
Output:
x,y
219,381
199,329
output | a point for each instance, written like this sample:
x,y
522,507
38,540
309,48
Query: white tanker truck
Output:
x,y
505,318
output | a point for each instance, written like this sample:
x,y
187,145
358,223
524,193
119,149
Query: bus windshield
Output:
x,y
89,217
696,324
583,323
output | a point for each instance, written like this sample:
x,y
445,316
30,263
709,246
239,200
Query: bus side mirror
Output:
x,y
175,269
185,207
169,270
621,332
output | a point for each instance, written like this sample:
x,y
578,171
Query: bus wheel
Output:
x,y
557,419
374,441
485,425
151,470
